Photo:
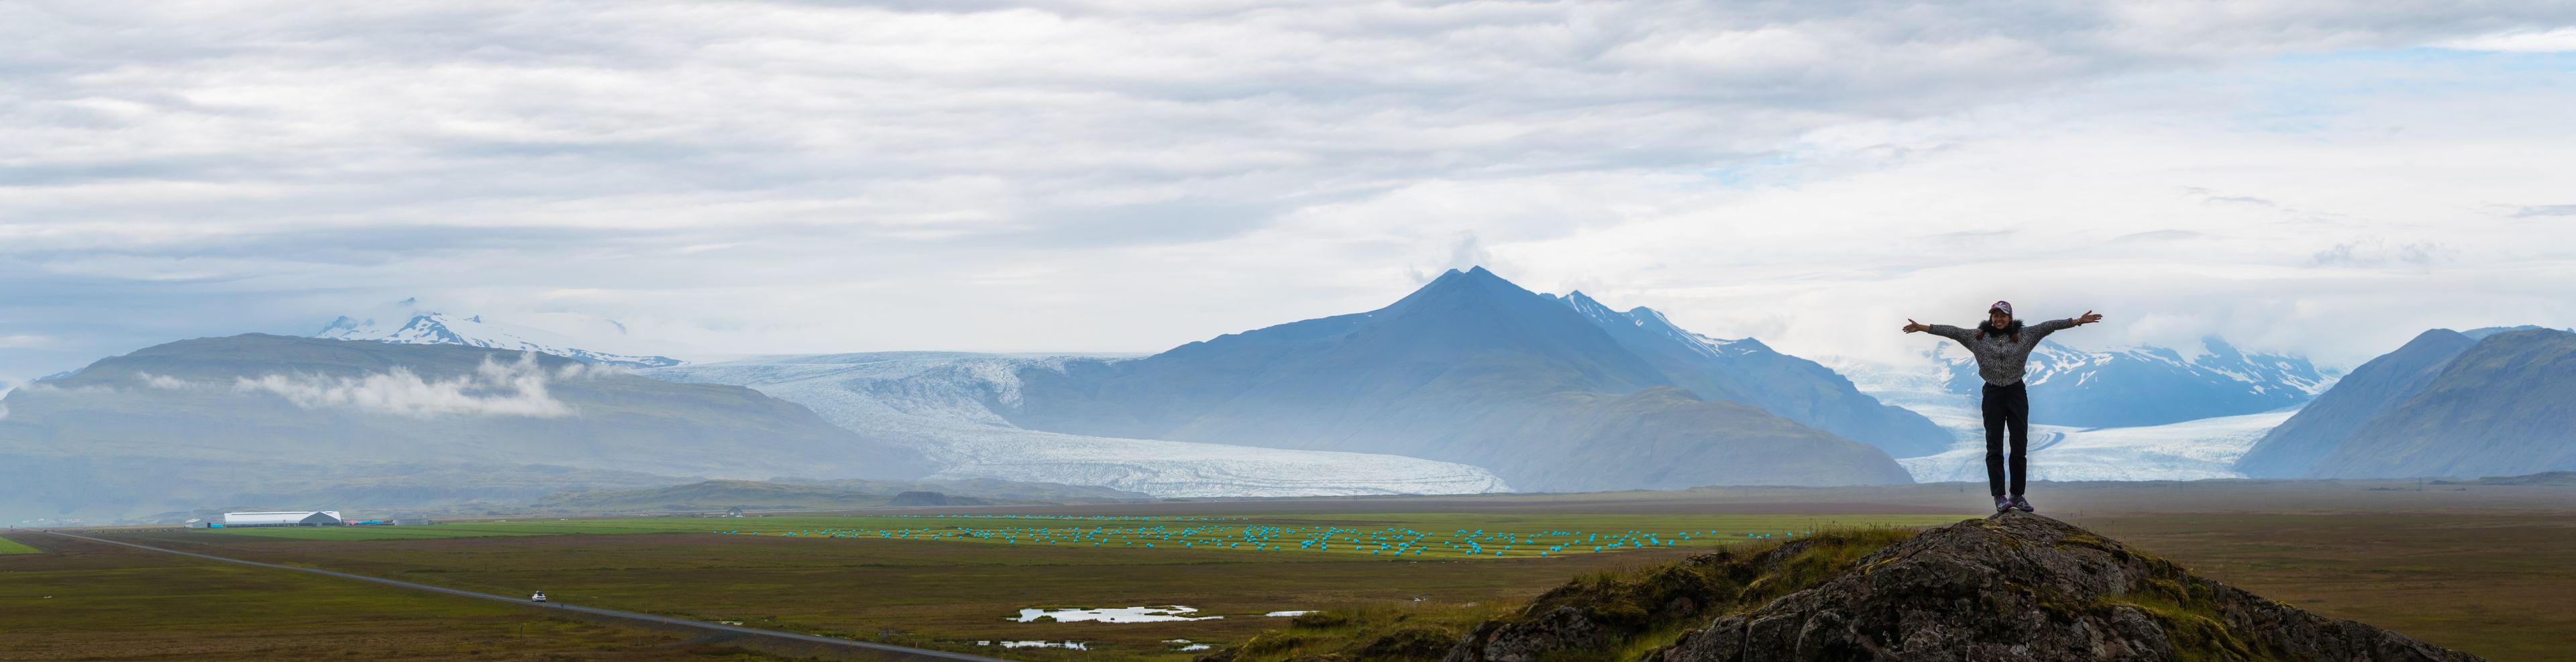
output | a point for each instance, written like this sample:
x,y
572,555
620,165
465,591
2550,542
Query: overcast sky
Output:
x,y
1130,175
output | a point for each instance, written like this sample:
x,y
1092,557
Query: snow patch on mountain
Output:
x,y
2190,450
2116,387
433,328
1653,321
946,405
2215,361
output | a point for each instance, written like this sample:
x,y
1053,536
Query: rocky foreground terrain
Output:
x,y
2010,587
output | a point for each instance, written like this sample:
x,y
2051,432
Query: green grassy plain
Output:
x,y
8,546
952,583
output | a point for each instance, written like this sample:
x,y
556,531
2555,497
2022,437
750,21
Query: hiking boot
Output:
x,y
2022,504
2002,503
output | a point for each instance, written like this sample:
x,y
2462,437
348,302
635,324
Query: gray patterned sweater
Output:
x,y
2000,360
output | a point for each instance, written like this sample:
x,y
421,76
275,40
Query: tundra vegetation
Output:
x,y
2469,567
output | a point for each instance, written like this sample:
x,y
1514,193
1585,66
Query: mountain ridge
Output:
x,y
281,401
1469,368
2500,407
2294,447
1750,372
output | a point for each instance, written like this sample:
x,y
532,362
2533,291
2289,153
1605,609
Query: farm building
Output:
x,y
283,518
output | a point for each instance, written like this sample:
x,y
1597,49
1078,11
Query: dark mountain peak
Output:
x,y
2438,340
2045,590
1472,283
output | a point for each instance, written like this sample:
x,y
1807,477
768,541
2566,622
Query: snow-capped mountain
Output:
x,y
944,404
432,328
2141,386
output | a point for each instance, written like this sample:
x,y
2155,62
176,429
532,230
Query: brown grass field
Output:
x,y
80,600
2480,569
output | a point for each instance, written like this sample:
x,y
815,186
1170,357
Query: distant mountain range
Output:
x,y
1469,369
2142,386
262,409
1469,384
2489,402
404,325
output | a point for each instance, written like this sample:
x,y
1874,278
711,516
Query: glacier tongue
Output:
x,y
2190,450
944,404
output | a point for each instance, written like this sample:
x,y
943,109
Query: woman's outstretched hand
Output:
x,y
1912,326
2088,317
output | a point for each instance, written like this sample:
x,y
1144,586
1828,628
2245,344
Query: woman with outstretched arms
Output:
x,y
2002,346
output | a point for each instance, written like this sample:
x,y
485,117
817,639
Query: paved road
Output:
x,y
895,652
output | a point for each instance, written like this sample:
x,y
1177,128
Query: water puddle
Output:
x,y
1288,613
1117,614
1186,645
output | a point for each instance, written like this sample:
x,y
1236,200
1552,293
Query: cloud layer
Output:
x,y
494,389
791,177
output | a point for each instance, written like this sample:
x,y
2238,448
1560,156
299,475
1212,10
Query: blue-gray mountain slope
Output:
x,y
292,405
2505,406
1469,369
1750,372
2288,451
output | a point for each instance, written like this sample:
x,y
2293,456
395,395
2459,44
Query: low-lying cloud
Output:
x,y
494,389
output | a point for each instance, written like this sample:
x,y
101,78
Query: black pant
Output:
x,y
2007,409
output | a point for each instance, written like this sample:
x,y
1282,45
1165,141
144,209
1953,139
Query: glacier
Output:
x,y
947,404
2190,450
2196,449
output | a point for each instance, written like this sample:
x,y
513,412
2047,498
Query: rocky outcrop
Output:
x,y
2014,586
2025,587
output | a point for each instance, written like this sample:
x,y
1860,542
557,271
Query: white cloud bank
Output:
x,y
493,389
758,177
2562,40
